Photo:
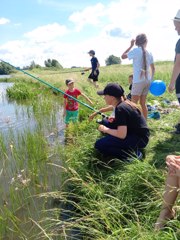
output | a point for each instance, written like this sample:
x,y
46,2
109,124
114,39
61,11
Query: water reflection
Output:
x,y
17,118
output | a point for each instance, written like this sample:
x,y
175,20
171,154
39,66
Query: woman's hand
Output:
x,y
102,128
171,87
91,117
173,163
133,42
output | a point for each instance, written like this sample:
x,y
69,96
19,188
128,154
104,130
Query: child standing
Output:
x,y
94,69
71,107
130,86
142,77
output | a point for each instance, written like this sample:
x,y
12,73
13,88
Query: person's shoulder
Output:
x,y
77,90
133,52
136,49
149,52
67,90
122,106
178,43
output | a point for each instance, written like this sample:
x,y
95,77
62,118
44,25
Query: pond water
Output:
x,y
13,116
16,121
5,76
17,117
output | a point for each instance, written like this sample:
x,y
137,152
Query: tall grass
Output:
x,y
91,199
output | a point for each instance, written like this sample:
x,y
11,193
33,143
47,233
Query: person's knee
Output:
x,y
98,145
101,145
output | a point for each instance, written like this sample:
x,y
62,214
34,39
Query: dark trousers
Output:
x,y
177,86
120,148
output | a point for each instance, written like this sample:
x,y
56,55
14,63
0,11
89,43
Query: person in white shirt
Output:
x,y
143,70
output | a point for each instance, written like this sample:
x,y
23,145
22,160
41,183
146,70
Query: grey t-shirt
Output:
x,y
177,49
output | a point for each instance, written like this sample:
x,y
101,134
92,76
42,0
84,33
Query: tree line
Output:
x,y
50,63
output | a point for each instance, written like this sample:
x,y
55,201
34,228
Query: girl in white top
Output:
x,y
143,70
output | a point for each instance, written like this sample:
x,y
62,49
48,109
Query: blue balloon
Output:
x,y
157,87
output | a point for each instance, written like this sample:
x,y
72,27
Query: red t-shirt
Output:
x,y
71,104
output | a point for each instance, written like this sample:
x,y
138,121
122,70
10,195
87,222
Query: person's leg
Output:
x,y
74,116
169,198
90,77
136,92
67,118
177,87
135,98
95,84
143,105
119,148
95,78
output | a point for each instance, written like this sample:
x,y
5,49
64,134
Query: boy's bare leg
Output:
x,y
95,84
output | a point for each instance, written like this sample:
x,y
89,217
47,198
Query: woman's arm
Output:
x,y
124,55
102,110
120,132
152,71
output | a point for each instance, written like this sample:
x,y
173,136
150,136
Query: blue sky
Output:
x,y
34,30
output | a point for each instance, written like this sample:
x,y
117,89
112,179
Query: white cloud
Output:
x,y
4,21
90,15
116,23
47,33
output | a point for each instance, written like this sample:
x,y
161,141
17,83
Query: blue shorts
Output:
x,y
71,116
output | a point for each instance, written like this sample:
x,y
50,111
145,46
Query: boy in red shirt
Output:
x,y
71,107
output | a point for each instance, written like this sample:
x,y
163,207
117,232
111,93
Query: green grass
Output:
x,y
116,202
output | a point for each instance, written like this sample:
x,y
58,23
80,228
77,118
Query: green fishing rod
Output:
x,y
55,88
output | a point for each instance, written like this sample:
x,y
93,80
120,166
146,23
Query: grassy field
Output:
x,y
93,200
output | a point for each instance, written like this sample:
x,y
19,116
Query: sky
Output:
x,y
36,30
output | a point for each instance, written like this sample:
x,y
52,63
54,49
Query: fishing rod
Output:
x,y
55,88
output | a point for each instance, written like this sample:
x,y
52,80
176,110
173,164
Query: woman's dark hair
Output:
x,y
141,39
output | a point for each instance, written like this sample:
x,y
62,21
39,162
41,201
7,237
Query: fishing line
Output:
x,y
55,88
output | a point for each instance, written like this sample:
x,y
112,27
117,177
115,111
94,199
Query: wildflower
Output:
x,y
12,180
25,181
52,134
19,176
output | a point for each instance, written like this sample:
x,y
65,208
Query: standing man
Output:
x,y
93,77
175,79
